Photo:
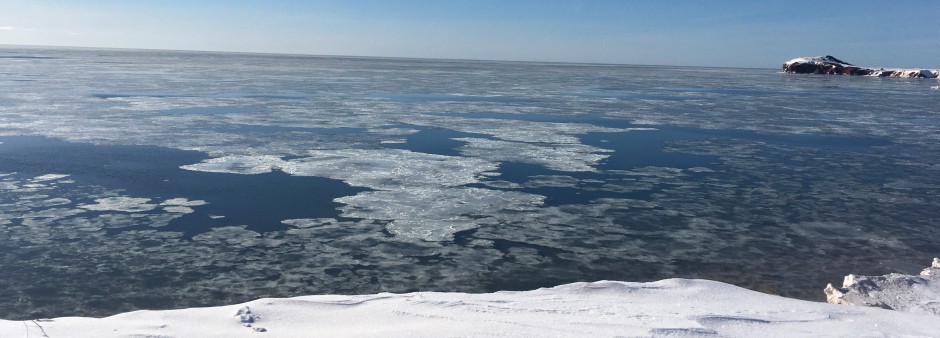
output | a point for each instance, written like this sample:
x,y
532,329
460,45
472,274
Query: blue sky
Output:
x,y
696,33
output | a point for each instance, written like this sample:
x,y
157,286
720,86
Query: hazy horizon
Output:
x,y
678,33
52,47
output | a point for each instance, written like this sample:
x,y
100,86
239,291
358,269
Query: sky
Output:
x,y
727,33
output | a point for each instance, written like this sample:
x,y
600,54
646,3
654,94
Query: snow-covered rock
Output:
x,y
918,294
831,65
673,307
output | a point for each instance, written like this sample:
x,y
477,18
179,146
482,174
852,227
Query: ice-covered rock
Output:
x,y
918,294
831,65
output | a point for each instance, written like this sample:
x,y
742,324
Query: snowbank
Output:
x,y
603,309
831,65
917,294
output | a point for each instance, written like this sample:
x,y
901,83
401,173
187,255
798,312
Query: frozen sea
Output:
x,y
164,179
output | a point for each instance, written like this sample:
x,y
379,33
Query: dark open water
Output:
x,y
133,179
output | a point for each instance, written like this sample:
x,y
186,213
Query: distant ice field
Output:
x,y
152,179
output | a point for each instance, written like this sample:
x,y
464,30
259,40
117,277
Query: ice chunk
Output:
x,y
177,209
561,157
390,168
49,177
238,164
183,202
121,203
918,294
308,222
436,214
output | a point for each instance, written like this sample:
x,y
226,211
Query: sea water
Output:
x,y
163,179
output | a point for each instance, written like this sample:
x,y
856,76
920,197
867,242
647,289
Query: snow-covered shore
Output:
x,y
831,65
602,309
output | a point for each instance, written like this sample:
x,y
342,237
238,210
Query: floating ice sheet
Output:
x,y
419,193
183,202
561,157
436,214
765,201
49,177
124,204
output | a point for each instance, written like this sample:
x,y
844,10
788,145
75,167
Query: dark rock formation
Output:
x,y
831,65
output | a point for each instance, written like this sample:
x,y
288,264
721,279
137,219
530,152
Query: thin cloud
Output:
x,y
14,28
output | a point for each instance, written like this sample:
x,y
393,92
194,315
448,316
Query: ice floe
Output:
x,y
238,164
49,177
561,157
124,204
419,193
437,214
183,202
764,202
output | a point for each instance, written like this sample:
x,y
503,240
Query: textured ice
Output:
x,y
798,171
561,157
178,209
309,222
236,236
407,183
183,202
125,204
238,164
390,168
49,177
549,133
436,214
909,293
553,181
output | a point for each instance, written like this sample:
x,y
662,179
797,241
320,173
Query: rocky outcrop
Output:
x,y
831,65
917,294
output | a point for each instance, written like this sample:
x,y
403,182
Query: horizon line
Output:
x,y
368,56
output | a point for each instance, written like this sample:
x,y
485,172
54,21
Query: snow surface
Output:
x,y
673,307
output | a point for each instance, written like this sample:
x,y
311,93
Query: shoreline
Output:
x,y
688,307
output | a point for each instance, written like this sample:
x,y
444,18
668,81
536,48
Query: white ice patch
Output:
x,y
124,204
176,209
49,177
373,168
394,131
561,157
552,181
183,202
390,168
238,164
436,214
421,194
304,223
236,235
520,130
45,203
